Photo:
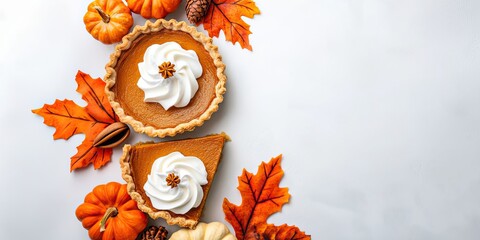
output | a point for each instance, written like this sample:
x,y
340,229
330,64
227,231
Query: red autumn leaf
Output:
x,y
261,197
69,119
227,15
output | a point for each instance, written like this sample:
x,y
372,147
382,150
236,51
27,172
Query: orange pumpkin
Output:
x,y
108,20
153,8
109,213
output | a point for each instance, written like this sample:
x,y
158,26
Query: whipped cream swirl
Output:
x,y
176,90
187,194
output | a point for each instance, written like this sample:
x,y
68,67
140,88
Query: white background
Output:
x,y
373,103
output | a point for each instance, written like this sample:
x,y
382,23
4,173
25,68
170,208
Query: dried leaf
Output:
x,y
69,119
284,232
93,92
227,15
261,197
87,153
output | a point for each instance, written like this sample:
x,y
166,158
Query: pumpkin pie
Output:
x,y
166,179
131,75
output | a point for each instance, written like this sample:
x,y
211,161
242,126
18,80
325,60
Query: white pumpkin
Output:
x,y
204,231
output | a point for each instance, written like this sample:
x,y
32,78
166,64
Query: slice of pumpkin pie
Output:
x,y
171,180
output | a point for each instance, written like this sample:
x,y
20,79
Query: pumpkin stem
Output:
x,y
105,17
111,212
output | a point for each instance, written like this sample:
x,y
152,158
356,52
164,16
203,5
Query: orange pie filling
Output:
x,y
131,97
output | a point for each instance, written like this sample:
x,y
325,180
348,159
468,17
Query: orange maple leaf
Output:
x,y
284,232
227,15
69,119
261,197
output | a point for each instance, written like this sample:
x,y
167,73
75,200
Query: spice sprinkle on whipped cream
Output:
x,y
168,75
175,183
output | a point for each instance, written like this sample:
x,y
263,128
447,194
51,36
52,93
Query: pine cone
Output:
x,y
196,9
154,233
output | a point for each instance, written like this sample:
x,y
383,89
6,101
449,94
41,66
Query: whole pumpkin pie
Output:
x,y
165,78
171,180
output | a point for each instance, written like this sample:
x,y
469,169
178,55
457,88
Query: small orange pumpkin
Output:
x,y
153,8
109,213
108,20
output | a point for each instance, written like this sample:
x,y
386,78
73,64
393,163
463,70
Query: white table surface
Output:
x,y
373,103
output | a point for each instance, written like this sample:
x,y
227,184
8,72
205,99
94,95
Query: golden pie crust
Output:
x,y
137,160
151,118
